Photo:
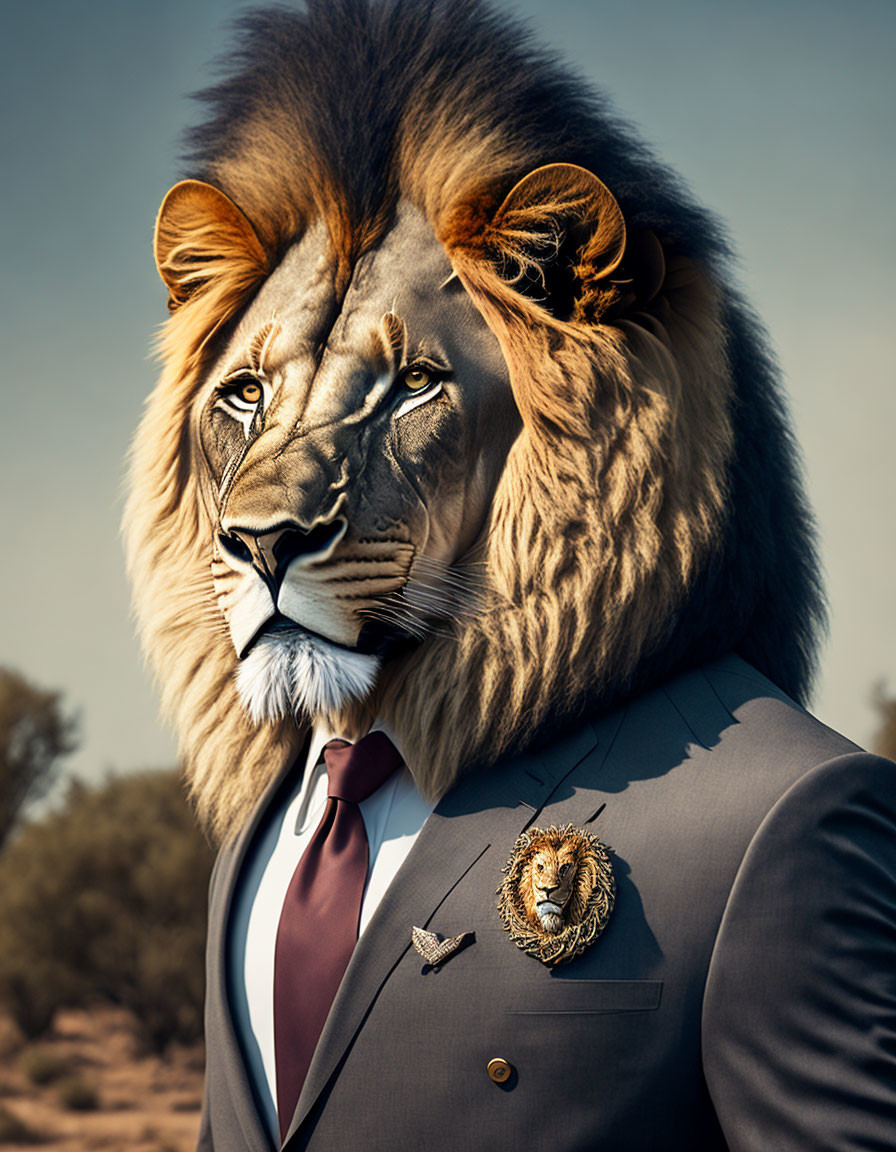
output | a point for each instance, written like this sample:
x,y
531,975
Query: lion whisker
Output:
x,y
418,629
440,602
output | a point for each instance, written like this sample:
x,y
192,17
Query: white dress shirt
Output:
x,y
393,817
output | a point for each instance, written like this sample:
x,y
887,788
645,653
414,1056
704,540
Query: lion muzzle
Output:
x,y
550,915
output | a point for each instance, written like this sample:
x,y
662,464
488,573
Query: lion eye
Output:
x,y
418,384
539,867
564,868
250,392
243,392
416,377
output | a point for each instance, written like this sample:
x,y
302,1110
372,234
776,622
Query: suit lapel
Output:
x,y
220,1029
494,806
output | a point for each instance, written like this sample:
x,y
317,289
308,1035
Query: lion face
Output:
x,y
549,880
349,450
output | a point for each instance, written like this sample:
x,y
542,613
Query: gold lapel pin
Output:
x,y
435,951
557,893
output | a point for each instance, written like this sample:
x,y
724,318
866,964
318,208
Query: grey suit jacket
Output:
x,y
743,995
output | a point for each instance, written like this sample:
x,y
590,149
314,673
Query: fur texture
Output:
x,y
649,516
272,679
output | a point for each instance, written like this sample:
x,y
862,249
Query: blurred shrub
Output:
x,y
34,736
42,1066
77,1095
107,898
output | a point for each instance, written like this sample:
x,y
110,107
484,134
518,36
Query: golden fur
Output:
x,y
611,499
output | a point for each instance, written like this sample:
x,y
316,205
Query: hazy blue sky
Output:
x,y
779,114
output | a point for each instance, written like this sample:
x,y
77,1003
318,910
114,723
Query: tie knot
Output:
x,y
355,771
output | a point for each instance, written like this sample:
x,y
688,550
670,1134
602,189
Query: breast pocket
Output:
x,y
588,997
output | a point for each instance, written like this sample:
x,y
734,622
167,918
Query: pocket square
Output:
x,y
435,951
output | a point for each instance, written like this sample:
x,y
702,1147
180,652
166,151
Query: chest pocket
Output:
x,y
588,997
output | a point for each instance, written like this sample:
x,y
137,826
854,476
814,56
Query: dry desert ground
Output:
x,y
86,1086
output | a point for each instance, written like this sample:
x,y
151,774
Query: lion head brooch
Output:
x,y
557,893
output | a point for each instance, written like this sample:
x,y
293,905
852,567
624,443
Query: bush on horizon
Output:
x,y
106,899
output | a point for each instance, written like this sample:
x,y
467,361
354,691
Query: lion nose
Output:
x,y
270,551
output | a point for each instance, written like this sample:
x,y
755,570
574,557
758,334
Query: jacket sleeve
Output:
x,y
799,1020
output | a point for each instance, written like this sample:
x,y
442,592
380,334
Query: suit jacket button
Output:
x,y
499,1070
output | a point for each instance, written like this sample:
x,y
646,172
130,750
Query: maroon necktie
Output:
x,y
319,922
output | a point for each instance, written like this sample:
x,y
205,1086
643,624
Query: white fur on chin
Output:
x,y
300,675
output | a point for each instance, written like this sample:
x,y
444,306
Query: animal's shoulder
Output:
x,y
690,780
706,755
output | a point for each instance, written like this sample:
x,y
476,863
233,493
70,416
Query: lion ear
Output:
x,y
557,237
202,237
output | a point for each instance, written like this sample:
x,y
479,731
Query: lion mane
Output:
x,y
649,516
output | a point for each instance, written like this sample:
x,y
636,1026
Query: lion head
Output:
x,y
556,879
460,424
557,892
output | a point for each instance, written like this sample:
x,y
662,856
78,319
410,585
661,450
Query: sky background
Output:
x,y
780,115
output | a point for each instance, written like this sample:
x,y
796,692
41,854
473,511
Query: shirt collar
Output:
x,y
321,734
